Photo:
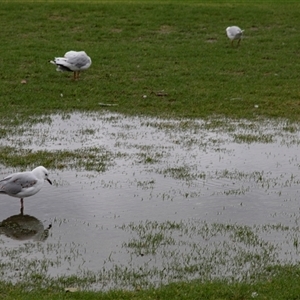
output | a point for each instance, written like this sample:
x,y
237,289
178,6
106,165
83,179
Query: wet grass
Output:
x,y
250,138
182,251
209,250
166,59
90,159
283,284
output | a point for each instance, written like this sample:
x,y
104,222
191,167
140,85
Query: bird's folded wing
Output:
x,y
79,61
15,183
9,187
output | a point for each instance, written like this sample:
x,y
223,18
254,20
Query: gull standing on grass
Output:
x,y
73,61
24,184
234,33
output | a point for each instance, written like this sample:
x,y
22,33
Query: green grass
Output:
x,y
156,58
141,48
282,286
91,159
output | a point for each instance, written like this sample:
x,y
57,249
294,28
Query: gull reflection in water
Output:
x,y
24,227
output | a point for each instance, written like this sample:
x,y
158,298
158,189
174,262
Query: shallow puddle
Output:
x,y
179,199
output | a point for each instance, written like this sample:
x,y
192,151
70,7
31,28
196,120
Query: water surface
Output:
x,y
179,199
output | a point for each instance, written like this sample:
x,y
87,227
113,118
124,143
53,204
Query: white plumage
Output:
x,y
234,33
24,184
73,61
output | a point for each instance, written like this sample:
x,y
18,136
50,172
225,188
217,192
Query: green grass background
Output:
x,y
175,53
142,48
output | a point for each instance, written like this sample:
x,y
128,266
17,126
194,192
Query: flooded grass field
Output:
x,y
160,200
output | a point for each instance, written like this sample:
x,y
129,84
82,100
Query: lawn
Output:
x,y
158,58
167,58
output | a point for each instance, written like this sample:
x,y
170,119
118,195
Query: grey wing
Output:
x,y
8,186
79,60
16,182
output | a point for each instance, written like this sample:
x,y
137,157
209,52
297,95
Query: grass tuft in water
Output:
x,y
90,159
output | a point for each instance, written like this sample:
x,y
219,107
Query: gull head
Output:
x,y
41,173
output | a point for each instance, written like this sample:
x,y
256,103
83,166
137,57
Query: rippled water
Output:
x,y
189,173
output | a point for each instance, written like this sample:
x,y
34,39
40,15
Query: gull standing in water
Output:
x,y
234,33
73,61
24,184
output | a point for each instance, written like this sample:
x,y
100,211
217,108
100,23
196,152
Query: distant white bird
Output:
x,y
234,33
72,61
24,184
